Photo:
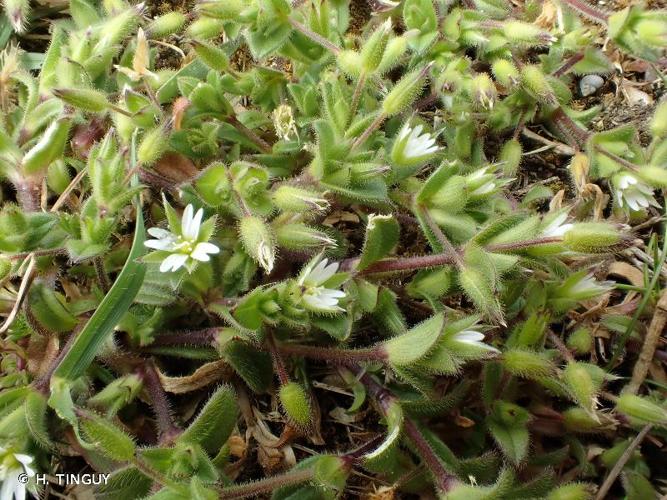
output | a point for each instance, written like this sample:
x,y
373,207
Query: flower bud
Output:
x,y
510,157
258,241
152,145
505,73
350,63
49,147
570,491
642,409
520,32
296,404
483,91
17,12
577,419
581,385
527,364
226,10
580,341
205,28
295,199
298,236
214,57
89,100
405,91
395,50
579,167
536,83
374,48
167,24
594,237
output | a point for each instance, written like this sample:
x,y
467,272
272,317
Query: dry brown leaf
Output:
x,y
628,272
202,376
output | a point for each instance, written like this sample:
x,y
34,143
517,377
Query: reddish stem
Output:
x,y
166,427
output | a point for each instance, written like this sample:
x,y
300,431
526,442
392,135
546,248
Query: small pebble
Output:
x,y
590,84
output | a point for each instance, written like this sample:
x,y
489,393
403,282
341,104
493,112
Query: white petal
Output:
x,y
173,262
195,224
159,244
469,337
20,491
160,233
8,486
202,250
186,220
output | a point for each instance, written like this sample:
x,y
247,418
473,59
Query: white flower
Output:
x,y
266,256
185,245
584,286
473,338
631,192
412,147
13,465
481,182
314,295
556,227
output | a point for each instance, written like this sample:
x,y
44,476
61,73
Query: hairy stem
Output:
x,y
267,485
585,8
443,479
166,427
441,259
263,146
371,128
342,356
356,96
447,246
277,358
315,37
102,277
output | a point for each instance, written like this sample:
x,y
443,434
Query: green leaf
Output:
x,y
212,427
382,232
124,483
111,441
110,311
35,415
415,343
507,424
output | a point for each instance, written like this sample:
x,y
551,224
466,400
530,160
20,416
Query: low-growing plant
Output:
x,y
223,228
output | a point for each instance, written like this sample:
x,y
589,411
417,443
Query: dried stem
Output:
x,y
651,340
618,466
